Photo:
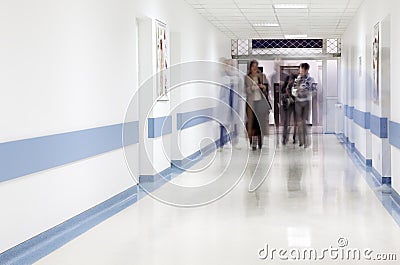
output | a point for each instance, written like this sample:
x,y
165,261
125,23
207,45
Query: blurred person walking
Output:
x,y
302,91
230,93
257,107
288,109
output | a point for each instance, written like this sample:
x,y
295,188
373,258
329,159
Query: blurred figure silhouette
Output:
x,y
257,107
302,91
288,106
230,91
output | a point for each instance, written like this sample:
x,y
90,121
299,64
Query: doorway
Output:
x,y
283,69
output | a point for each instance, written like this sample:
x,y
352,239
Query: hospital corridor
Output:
x,y
193,132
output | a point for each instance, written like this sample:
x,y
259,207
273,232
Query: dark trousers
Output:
x,y
257,121
302,109
223,131
287,115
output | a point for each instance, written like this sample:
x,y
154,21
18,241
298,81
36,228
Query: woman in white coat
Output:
x,y
229,110
258,107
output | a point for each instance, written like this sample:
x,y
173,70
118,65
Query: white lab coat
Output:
x,y
223,113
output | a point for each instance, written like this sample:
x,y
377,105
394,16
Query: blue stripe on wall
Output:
x,y
351,112
394,134
379,126
159,126
362,118
45,243
368,120
130,133
193,118
348,111
20,158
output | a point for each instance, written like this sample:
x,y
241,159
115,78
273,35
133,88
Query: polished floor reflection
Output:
x,y
312,198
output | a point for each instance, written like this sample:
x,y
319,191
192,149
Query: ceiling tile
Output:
x,y
322,18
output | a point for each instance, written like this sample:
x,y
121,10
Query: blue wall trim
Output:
x,y
394,134
390,199
193,118
381,179
199,155
159,126
24,157
130,132
348,111
43,244
151,183
379,126
362,118
396,197
367,163
351,112
165,174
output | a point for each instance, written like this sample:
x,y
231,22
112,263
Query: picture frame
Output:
x,y
376,62
162,60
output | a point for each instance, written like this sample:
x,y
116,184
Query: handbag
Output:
x,y
265,93
290,100
285,102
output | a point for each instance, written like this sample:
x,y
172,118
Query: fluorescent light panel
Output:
x,y
290,6
303,36
266,25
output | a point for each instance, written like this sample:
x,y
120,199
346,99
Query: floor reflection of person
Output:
x,y
257,106
295,164
288,109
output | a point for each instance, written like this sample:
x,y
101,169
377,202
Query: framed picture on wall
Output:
x,y
375,62
162,60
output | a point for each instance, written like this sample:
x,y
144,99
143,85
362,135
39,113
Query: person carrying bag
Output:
x,y
288,105
257,105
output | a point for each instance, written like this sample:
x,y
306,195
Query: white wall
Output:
x,y
357,42
71,65
194,96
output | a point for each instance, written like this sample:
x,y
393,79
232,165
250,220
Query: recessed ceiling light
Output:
x,y
303,36
266,25
290,6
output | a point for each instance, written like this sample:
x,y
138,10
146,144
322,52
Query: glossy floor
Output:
x,y
311,198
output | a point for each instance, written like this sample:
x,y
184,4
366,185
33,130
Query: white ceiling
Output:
x,y
236,18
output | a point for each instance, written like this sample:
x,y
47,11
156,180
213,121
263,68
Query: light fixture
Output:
x,y
266,25
290,6
296,36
